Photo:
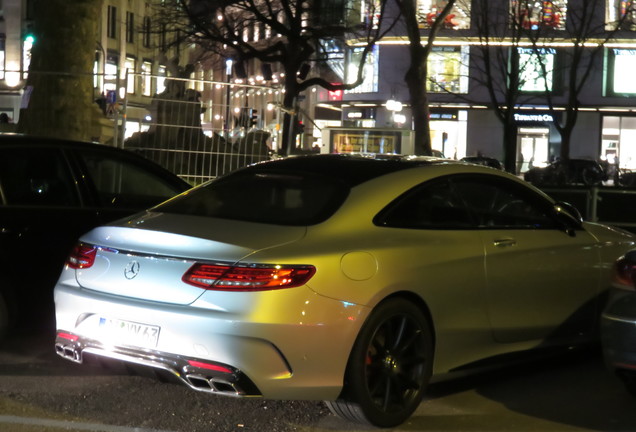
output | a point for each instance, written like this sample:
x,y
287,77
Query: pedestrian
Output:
x,y
5,123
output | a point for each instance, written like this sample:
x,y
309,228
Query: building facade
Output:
x,y
128,65
540,36
463,121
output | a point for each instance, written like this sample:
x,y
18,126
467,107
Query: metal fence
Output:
x,y
606,204
197,129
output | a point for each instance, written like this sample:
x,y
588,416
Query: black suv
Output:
x,y
51,192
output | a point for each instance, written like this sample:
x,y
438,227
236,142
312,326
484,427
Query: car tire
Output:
x,y
629,380
590,177
389,367
4,317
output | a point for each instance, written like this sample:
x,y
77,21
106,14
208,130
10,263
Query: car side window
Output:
x,y
124,184
434,205
498,203
36,177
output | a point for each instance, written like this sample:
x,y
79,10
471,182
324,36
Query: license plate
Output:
x,y
129,332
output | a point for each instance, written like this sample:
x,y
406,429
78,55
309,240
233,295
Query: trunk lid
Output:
x,y
146,257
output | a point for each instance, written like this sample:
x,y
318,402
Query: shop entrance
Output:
x,y
532,148
448,132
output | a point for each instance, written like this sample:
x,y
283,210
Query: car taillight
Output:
x,y
625,272
243,278
82,256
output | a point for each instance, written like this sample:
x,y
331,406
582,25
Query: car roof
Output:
x,y
352,169
23,140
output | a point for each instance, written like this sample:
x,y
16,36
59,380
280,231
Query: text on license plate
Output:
x,y
129,333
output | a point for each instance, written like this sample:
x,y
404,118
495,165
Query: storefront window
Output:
x,y
534,15
370,71
459,17
532,148
2,67
618,142
622,63
27,46
536,69
449,131
366,12
448,70
620,13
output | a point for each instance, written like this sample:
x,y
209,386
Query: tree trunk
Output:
x,y
416,82
510,144
59,94
288,139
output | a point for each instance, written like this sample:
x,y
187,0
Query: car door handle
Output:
x,y
504,242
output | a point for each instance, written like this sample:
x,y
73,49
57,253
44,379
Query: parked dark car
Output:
x,y
618,322
483,160
627,178
51,192
570,171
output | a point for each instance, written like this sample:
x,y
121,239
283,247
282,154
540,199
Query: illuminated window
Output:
x,y
448,70
620,13
620,74
110,80
533,15
369,73
129,70
161,79
146,78
459,17
536,69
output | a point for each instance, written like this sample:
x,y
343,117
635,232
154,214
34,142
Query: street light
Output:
x,y
395,107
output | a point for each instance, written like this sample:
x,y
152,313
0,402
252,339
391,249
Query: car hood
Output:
x,y
145,257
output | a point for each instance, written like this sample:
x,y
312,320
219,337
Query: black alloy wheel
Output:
x,y
389,367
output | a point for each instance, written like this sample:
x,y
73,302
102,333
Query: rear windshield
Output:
x,y
264,197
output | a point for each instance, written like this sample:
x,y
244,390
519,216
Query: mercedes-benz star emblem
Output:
x,y
132,270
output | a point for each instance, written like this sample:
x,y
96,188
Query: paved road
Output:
x,y
41,392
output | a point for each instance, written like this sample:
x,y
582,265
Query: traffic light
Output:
x,y
253,117
248,117
299,127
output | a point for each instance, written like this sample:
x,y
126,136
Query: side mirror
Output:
x,y
569,216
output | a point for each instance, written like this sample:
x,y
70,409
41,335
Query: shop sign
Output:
x,y
365,141
335,95
534,118
443,115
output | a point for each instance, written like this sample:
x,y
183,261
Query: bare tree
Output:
x,y
58,98
513,62
417,72
296,34
587,34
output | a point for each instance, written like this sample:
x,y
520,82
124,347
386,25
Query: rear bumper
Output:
x,y
285,344
198,374
618,330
